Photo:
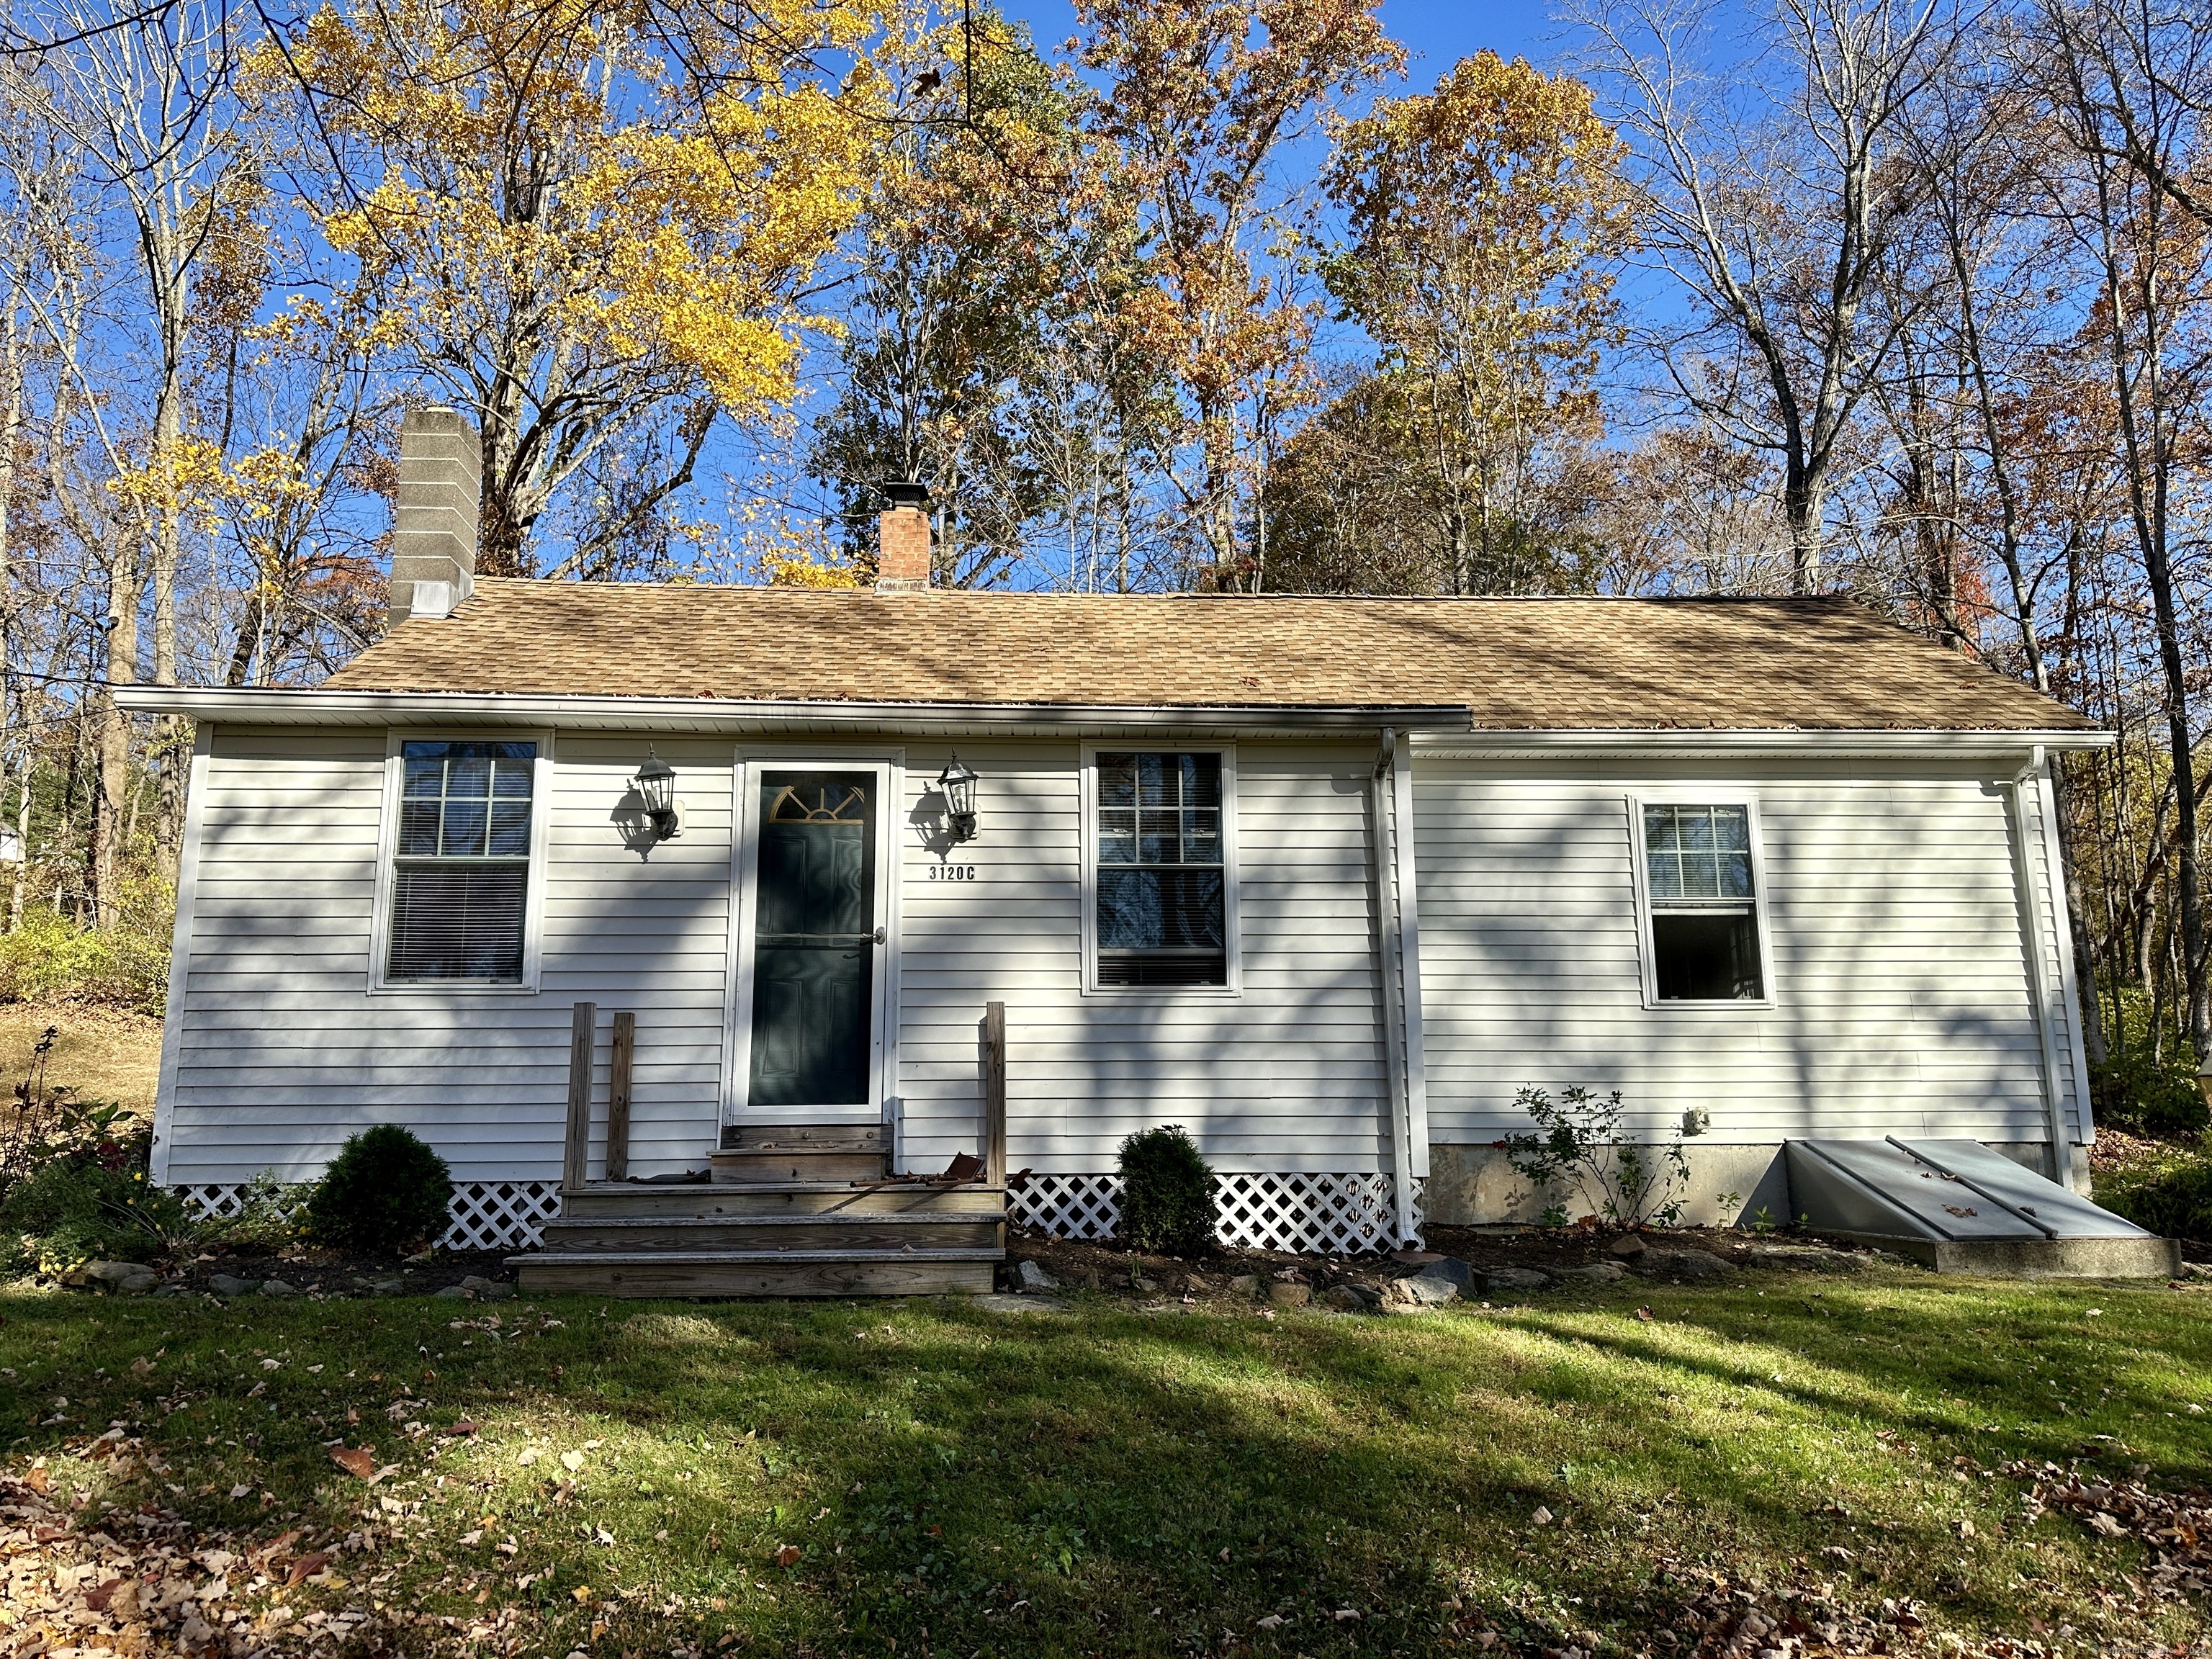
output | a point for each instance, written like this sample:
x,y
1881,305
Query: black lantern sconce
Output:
x,y
655,784
958,784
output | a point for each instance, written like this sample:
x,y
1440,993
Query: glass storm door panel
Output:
x,y
814,940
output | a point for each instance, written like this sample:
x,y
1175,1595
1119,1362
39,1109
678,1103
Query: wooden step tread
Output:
x,y
808,1219
761,1258
808,1137
719,1189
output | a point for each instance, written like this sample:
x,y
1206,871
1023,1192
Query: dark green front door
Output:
x,y
814,940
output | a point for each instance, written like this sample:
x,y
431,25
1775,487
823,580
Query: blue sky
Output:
x,y
1437,32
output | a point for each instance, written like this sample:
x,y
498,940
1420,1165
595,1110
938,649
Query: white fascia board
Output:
x,y
1674,742
723,716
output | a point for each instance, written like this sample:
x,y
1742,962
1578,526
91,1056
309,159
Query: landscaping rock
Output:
x,y
224,1285
486,1290
1246,1284
1343,1298
1497,1280
1597,1272
1680,1264
1420,1290
1451,1269
1810,1258
1290,1295
1033,1277
454,1293
1628,1245
278,1287
123,1278
388,1287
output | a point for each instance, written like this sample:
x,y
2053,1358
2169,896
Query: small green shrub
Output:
x,y
1167,1193
86,1208
1579,1145
2170,1192
384,1191
271,1213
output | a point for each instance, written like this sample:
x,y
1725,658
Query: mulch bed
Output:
x,y
1114,1269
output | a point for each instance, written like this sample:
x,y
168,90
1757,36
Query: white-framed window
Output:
x,y
1159,869
461,861
1701,888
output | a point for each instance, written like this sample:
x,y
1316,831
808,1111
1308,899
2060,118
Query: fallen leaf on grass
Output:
x,y
1273,1621
357,1461
786,1556
241,1492
141,1366
572,1462
463,1427
1542,1518
1644,1314
1345,1614
307,1567
530,1455
2103,1524
97,1599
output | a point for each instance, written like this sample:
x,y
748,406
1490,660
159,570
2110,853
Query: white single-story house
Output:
x,y
1325,880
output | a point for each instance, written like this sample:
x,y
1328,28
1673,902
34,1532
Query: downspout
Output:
x,y
1389,960
2038,988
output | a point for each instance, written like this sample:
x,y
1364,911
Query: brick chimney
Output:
x,y
903,540
434,530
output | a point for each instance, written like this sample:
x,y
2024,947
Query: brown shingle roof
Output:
x,y
1517,664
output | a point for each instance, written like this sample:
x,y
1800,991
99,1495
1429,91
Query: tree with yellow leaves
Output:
x,y
589,230
1482,220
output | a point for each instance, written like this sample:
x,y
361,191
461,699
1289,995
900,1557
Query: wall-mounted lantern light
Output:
x,y
958,784
655,784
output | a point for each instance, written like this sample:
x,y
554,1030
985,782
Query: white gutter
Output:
x,y
2038,985
1698,743
723,714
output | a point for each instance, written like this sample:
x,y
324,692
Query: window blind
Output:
x,y
461,875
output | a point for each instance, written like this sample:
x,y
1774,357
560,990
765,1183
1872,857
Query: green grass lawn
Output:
x,y
938,1477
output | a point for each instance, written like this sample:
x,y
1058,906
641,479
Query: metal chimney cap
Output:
x,y
900,493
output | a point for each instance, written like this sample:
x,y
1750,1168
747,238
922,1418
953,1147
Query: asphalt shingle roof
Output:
x,y
1576,664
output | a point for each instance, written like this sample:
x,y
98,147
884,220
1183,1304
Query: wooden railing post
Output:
x,y
625,1050
994,1093
576,1143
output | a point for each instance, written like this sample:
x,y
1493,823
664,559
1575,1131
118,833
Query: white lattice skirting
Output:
x,y
486,1215
1310,1214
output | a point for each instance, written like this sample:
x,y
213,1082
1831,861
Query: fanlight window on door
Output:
x,y
818,802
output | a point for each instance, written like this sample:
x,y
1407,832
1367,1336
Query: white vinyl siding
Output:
x,y
1896,967
283,1051
1287,1076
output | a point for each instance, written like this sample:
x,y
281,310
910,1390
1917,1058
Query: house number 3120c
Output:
x,y
952,872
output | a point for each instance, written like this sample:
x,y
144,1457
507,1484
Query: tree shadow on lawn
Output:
x,y
1105,1480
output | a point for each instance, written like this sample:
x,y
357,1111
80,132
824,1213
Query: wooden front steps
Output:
x,y
802,1211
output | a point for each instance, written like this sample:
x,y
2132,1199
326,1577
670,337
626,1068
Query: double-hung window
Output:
x,y
460,872
1701,886
1161,869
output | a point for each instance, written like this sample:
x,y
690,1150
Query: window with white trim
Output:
x,y
1162,874
460,873
1702,889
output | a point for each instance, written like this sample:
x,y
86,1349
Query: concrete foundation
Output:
x,y
1474,1185
2034,1258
